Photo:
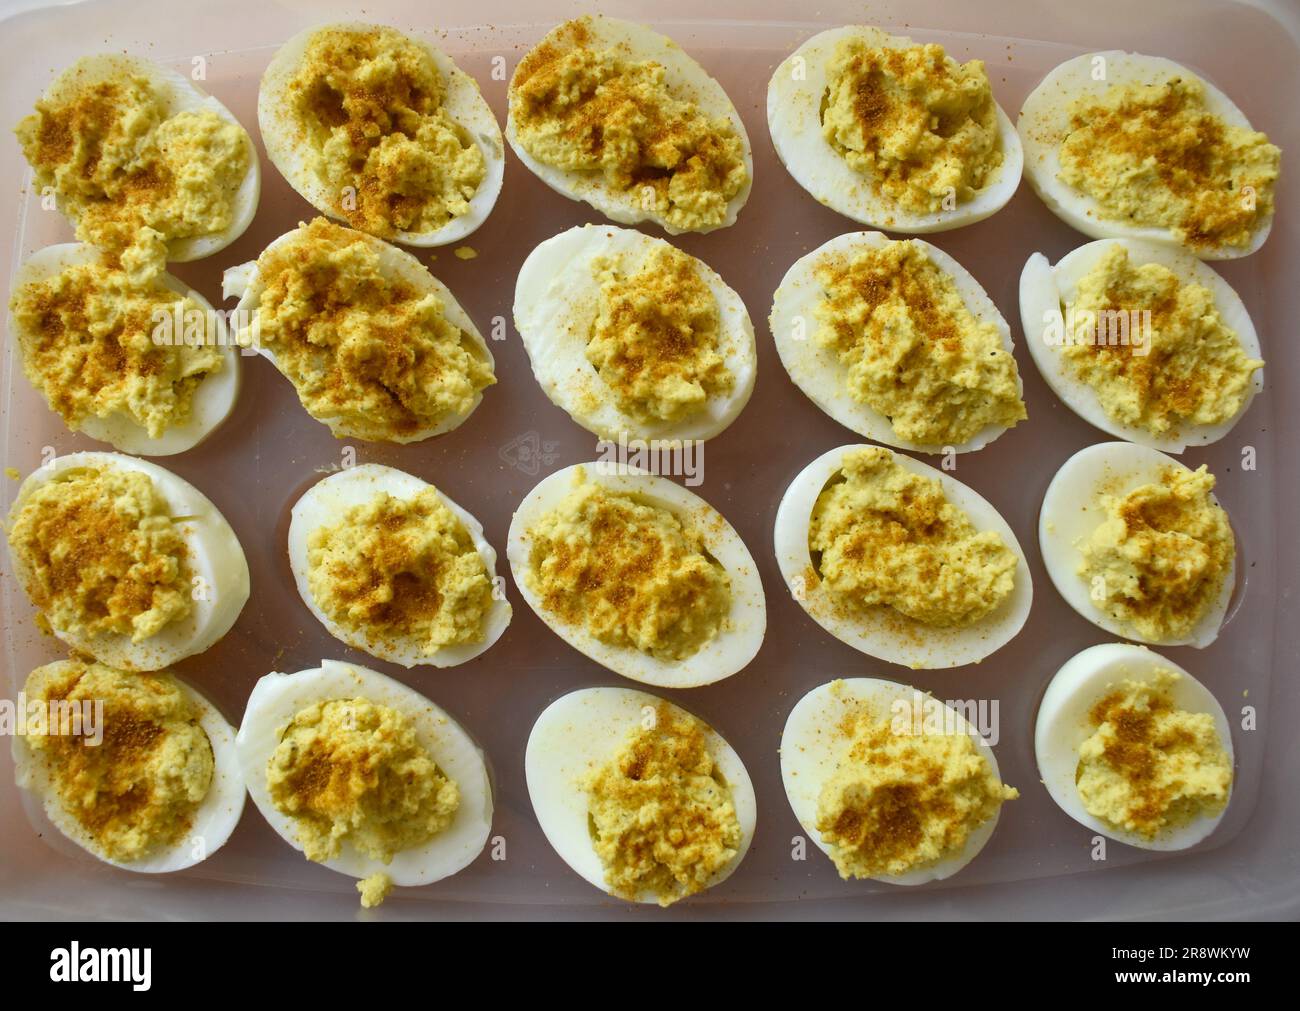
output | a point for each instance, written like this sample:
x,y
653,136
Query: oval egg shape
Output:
x,y
325,502
277,698
1045,288
881,631
579,732
217,562
724,655
289,144
795,97
1062,726
817,370
556,306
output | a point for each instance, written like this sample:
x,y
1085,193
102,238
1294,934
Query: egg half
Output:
x,y
1045,288
1063,725
277,698
288,145
737,642
326,502
819,373
795,97
214,819
214,397
179,94
1044,123
556,305
245,283
881,631
812,746
216,561
684,79
1071,511
581,731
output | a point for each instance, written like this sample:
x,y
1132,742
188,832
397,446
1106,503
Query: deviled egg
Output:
x,y
421,812
1122,145
638,796
1132,746
125,561
137,769
1138,544
632,337
639,574
1142,340
618,116
889,782
899,560
143,363
139,157
376,347
392,566
898,342
892,133
380,129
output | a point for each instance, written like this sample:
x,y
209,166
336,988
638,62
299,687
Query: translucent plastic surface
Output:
x,y
1039,861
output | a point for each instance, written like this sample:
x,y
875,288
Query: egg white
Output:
x,y
818,372
290,153
1063,724
812,746
1071,511
325,502
580,732
277,698
215,817
214,556
556,304
683,77
736,643
1044,123
244,282
1045,288
794,119
214,397
883,632
179,94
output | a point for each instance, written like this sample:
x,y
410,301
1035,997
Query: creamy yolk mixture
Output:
x,y
661,812
655,339
401,571
360,346
354,770
124,167
920,125
371,107
632,574
581,107
901,800
87,338
1149,766
1194,370
137,790
1160,556
912,350
1154,155
100,553
881,535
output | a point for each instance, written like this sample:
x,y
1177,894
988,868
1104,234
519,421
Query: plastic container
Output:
x,y
1038,863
